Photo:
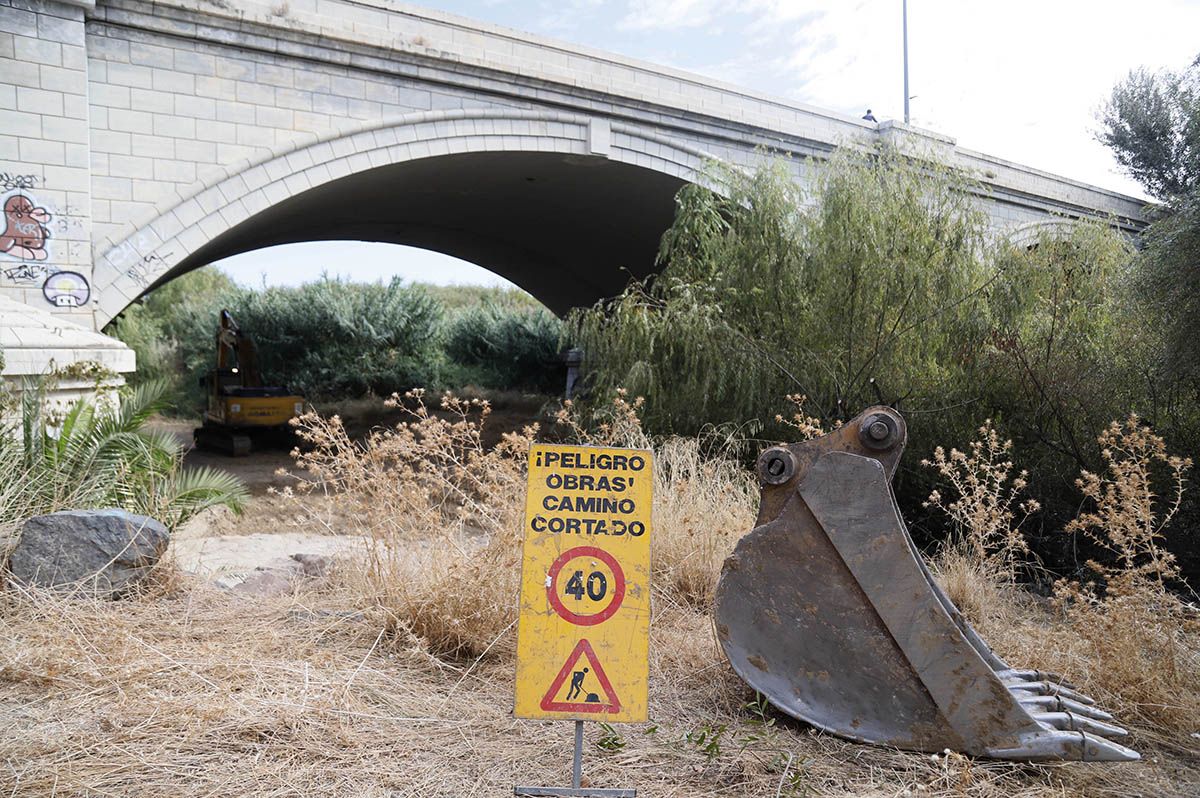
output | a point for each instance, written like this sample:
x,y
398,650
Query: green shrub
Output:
x,y
870,289
883,284
506,347
327,339
98,454
335,339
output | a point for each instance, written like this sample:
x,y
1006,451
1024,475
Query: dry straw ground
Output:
x,y
394,676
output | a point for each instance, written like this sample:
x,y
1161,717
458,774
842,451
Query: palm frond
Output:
x,y
189,491
101,455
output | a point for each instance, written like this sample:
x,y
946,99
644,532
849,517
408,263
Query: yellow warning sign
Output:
x,y
584,631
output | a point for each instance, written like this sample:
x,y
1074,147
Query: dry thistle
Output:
x,y
985,512
1128,520
618,423
1141,636
808,426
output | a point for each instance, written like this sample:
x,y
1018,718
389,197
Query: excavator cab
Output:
x,y
827,609
240,409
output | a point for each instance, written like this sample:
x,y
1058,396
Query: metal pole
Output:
x,y
577,766
905,15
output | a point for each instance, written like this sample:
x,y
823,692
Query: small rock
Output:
x,y
101,553
266,582
314,565
281,576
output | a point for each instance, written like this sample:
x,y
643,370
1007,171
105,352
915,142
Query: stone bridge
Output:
x,y
139,140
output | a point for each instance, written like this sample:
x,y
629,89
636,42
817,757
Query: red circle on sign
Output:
x,y
618,588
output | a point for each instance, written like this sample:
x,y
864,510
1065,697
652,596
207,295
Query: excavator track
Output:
x,y
222,439
828,610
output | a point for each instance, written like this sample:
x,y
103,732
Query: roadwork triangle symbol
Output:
x,y
589,690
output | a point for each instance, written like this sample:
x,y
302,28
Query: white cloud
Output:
x,y
668,14
1020,79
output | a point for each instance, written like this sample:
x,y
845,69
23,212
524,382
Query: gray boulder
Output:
x,y
89,552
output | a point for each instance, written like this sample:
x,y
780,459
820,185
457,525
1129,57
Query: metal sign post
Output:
x,y
577,788
583,636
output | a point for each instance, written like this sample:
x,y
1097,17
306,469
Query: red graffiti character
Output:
x,y
25,230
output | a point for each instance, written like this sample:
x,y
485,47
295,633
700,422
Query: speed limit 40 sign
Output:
x,y
584,631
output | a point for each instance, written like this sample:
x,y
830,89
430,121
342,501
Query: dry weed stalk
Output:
x,y
807,426
1144,638
985,512
618,423
1128,639
429,472
443,512
1127,520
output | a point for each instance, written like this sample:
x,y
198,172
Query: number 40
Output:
x,y
597,586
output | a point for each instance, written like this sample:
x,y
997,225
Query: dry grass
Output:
x,y
445,514
1125,638
201,693
394,677
702,506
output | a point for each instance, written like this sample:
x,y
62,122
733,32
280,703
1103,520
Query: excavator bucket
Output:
x,y
827,609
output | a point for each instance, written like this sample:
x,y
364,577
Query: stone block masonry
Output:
x,y
45,156
133,132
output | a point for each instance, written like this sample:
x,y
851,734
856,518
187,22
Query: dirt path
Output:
x,y
272,535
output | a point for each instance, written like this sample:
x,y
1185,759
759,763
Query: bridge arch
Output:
x,y
461,182
1031,233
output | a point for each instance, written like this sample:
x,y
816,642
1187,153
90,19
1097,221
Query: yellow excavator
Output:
x,y
240,409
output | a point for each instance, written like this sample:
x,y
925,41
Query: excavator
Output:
x,y
240,409
827,609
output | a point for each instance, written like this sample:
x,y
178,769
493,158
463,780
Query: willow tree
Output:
x,y
868,286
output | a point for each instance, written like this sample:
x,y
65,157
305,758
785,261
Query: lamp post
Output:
x,y
904,13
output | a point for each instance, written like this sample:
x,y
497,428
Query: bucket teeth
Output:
x,y
1054,703
827,608
1068,721
1051,689
1069,745
1026,675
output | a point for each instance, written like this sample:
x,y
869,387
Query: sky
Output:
x,y
1016,79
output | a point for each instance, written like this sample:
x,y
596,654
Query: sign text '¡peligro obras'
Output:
x,y
590,460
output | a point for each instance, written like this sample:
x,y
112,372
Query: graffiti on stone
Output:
x,y
26,273
147,267
25,232
11,182
66,290
66,222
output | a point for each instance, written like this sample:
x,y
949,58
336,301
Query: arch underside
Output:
x,y
568,208
570,229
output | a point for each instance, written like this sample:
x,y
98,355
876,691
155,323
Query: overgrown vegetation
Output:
x,y
1124,631
883,284
440,587
445,513
865,286
880,285
504,348
98,453
336,340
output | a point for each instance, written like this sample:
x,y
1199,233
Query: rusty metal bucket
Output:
x,y
828,610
